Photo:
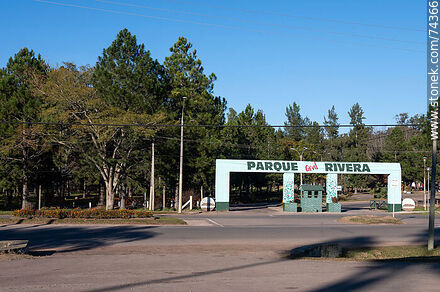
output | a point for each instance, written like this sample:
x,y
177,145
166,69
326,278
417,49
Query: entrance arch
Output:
x,y
224,167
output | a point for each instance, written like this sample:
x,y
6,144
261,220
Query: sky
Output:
x,y
265,53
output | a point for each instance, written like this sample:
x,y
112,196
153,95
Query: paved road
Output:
x,y
235,251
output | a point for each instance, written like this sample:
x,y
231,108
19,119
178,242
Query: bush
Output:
x,y
83,213
24,212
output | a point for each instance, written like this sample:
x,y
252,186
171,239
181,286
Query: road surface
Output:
x,y
235,251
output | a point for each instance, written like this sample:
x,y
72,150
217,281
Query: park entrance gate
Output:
x,y
224,167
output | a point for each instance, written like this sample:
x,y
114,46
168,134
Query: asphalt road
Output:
x,y
235,251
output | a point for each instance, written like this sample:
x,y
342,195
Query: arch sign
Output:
x,y
224,167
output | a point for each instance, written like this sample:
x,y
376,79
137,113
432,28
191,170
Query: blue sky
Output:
x,y
267,53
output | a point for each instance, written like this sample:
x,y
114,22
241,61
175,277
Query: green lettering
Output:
x,y
260,166
365,168
277,166
349,167
250,165
357,168
328,167
341,167
294,166
268,165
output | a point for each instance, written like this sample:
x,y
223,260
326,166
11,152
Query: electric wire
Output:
x,y
297,16
202,126
225,26
260,23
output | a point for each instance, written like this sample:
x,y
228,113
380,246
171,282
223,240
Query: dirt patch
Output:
x,y
13,256
370,219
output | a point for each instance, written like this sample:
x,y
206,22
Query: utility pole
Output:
x,y
432,32
39,197
428,169
179,209
432,198
152,178
201,194
163,198
300,158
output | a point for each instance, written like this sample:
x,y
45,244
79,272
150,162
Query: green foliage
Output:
x,y
128,86
294,119
331,123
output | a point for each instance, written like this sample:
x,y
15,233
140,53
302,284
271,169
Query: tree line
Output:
x,y
44,146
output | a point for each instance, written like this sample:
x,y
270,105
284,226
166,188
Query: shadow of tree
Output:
x,y
256,206
372,273
184,277
77,238
383,270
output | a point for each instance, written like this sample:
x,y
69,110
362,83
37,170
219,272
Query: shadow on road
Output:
x,y
77,238
384,270
244,207
372,273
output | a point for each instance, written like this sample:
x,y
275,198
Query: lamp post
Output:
x,y
428,169
300,158
424,182
179,208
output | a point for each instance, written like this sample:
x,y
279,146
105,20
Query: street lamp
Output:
x,y
300,158
428,169
179,208
424,182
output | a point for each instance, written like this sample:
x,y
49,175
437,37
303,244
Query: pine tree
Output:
x,y
21,144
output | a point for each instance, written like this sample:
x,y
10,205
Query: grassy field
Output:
x,y
6,212
139,221
393,252
370,219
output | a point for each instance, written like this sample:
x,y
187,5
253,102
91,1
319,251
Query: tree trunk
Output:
x,y
101,194
84,189
110,196
122,197
25,202
176,196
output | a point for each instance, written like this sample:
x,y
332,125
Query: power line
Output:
x,y
297,16
260,23
223,26
201,126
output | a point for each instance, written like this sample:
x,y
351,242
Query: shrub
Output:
x,y
83,213
24,212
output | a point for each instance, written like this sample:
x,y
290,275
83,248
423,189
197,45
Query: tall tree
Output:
x,y
187,78
21,143
296,121
331,123
126,76
357,144
121,89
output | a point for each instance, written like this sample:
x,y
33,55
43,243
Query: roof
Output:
x,y
311,188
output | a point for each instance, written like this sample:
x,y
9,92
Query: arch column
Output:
x,y
331,187
288,187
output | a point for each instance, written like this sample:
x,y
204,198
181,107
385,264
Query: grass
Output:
x,y
392,252
370,219
421,208
139,221
6,212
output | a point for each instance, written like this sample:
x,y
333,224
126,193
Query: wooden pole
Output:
x,y
163,198
152,179
39,197
201,194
